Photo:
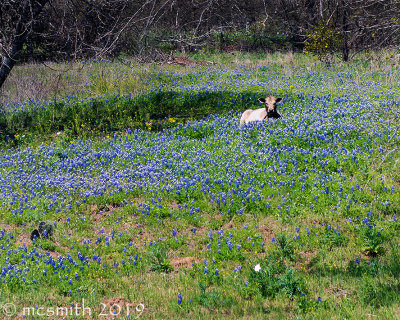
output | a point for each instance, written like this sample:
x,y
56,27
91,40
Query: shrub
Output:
x,y
322,41
272,277
158,262
372,240
285,246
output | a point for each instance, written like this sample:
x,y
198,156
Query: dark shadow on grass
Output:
x,y
116,113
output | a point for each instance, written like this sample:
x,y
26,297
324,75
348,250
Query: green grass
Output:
x,y
102,98
304,186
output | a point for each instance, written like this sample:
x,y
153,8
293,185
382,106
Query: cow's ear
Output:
x,y
262,100
278,100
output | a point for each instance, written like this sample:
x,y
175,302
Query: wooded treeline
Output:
x,y
151,29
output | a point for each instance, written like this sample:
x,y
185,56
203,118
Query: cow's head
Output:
x,y
270,105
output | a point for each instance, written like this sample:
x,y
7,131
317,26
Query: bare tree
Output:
x,y
362,24
17,20
72,29
371,23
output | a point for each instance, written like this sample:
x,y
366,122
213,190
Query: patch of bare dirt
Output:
x,y
54,254
24,239
396,311
228,225
6,227
305,259
95,214
173,205
338,292
202,230
116,301
183,262
143,236
94,209
97,217
365,256
129,226
308,255
268,230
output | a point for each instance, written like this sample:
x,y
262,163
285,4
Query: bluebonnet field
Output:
x,y
203,218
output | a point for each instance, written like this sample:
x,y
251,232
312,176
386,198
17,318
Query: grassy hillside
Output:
x,y
157,204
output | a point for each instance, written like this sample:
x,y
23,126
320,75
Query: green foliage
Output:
x,y
212,298
198,133
101,85
372,239
375,293
285,246
157,259
232,246
334,238
265,280
153,111
291,283
272,277
308,305
46,245
360,267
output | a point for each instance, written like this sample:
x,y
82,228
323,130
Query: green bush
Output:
x,y
158,261
372,240
272,277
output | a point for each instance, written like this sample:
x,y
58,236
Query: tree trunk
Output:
x,y
345,45
221,41
9,58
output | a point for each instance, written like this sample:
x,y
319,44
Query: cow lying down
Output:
x,y
262,114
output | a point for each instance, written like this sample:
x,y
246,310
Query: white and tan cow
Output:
x,y
262,114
